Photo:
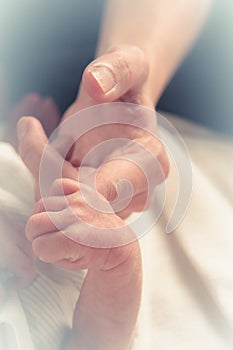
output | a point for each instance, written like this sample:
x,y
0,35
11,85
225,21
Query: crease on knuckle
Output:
x,y
122,66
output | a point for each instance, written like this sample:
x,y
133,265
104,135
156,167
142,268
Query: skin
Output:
x,y
106,311
135,61
12,234
163,30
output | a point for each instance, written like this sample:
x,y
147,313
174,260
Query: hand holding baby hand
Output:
x,y
71,230
66,229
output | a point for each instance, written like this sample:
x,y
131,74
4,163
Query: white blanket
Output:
x,y
39,316
188,276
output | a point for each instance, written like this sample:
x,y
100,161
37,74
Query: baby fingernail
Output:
x,y
104,77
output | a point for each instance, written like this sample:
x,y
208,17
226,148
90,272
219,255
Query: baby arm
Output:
x,y
107,308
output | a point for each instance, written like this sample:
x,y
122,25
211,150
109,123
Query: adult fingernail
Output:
x,y
22,129
104,77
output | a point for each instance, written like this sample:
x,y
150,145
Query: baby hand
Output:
x,y
76,228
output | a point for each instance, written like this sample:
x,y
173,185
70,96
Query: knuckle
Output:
x,y
62,185
68,216
34,221
56,186
108,190
121,64
34,225
140,56
42,250
111,192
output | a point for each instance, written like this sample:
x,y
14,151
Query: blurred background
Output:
x,y
45,45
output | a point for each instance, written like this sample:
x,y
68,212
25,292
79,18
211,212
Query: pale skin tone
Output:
x,y
135,61
12,239
106,301
106,311
141,44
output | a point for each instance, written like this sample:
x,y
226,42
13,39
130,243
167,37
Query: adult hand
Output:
x,y
122,75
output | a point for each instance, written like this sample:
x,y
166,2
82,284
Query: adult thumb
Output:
x,y
111,76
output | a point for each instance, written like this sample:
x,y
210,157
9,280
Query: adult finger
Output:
x,y
64,187
124,183
111,76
